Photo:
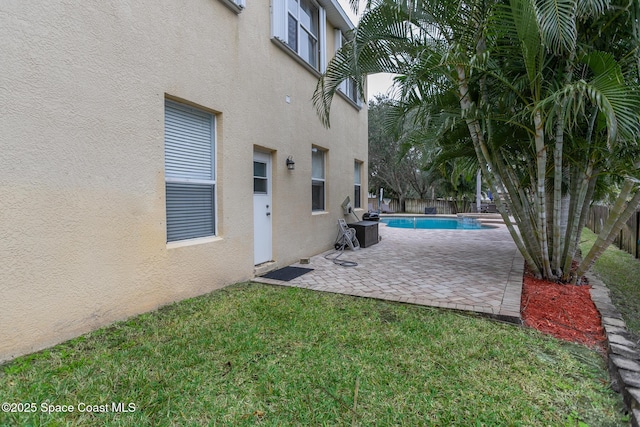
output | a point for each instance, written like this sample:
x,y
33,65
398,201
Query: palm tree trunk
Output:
x,y
585,186
616,209
584,215
558,242
618,216
575,188
519,207
635,22
484,158
541,167
558,237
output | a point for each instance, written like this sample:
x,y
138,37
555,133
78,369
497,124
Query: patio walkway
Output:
x,y
472,270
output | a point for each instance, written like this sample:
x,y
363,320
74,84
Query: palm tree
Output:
x,y
546,89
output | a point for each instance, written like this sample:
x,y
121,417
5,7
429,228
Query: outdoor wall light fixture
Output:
x,y
291,165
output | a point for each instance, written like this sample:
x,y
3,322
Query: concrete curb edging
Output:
x,y
623,352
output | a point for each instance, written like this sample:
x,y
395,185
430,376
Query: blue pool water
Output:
x,y
431,223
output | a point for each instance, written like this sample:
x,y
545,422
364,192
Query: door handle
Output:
x,y
268,213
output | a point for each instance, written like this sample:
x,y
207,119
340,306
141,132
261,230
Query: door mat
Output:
x,y
287,273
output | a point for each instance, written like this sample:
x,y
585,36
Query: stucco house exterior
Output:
x,y
144,148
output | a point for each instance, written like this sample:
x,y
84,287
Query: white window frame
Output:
x,y
236,6
357,184
316,179
178,165
261,178
348,88
279,32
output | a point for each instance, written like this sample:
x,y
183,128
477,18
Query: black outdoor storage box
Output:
x,y
366,232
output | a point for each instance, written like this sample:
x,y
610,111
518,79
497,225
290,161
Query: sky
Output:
x,y
377,83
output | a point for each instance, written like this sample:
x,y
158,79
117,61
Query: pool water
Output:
x,y
430,223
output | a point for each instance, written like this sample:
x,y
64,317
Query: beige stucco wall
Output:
x,y
82,202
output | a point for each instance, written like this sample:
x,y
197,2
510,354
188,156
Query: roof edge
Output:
x,y
337,15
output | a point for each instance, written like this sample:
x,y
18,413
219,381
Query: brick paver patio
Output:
x,y
472,270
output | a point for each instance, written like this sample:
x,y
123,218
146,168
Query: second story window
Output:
x,y
300,25
235,5
348,87
302,30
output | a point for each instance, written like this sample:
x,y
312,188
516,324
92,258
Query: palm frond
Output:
x,y
589,8
557,20
522,17
378,40
617,100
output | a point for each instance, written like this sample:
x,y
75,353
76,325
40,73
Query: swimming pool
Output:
x,y
431,223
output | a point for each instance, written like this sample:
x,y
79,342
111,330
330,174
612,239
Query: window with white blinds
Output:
x,y
189,153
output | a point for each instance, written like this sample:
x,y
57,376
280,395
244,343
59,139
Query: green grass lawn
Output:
x,y
621,273
263,355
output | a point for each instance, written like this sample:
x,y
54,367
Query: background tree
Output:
x,y
449,162
394,164
546,90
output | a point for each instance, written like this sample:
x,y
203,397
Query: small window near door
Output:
x,y
260,178
357,180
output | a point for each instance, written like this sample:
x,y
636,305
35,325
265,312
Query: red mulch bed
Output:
x,y
564,311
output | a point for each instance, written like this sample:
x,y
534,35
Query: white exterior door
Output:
x,y
262,233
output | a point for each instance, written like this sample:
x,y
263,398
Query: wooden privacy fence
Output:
x,y
417,206
627,239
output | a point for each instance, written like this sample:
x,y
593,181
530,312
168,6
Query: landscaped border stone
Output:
x,y
624,353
